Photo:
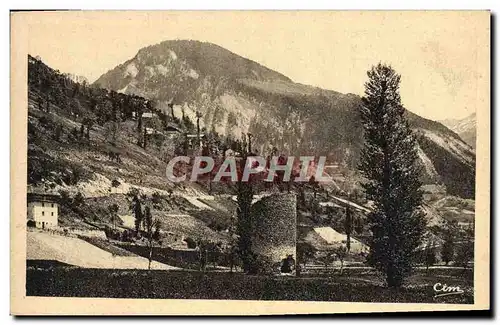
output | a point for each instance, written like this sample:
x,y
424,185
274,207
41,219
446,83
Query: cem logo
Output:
x,y
442,290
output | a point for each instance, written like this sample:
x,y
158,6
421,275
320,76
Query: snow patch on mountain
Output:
x,y
123,90
172,54
131,70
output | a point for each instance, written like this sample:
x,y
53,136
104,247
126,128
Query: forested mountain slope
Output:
x,y
235,96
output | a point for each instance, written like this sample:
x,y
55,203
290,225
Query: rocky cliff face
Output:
x,y
235,95
77,78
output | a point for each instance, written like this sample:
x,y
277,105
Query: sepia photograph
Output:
x,y
250,156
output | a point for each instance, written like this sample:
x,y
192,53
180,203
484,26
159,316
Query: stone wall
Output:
x,y
88,233
274,229
73,232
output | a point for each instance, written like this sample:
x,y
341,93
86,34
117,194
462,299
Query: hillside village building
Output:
x,y
145,115
43,210
120,189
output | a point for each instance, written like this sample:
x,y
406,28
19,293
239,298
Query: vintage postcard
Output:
x,y
286,162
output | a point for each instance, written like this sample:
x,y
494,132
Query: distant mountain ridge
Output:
x,y
465,128
235,96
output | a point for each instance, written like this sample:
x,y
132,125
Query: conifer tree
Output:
x,y
465,248
448,249
152,229
244,194
137,211
429,255
388,161
348,227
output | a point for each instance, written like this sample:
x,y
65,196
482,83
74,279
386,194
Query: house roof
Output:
x,y
332,236
194,135
171,127
43,197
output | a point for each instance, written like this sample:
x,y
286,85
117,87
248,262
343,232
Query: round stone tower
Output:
x,y
274,230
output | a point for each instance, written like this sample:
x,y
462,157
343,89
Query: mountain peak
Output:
x,y
166,70
212,59
465,128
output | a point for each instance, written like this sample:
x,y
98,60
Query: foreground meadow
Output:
x,y
353,285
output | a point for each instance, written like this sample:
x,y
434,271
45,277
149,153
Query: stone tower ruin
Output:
x,y
274,230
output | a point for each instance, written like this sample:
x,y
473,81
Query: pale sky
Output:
x,y
440,55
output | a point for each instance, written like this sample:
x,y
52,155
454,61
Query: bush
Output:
x,y
112,233
31,223
260,264
45,121
215,220
126,236
75,174
115,183
64,197
191,243
78,200
133,192
157,200
74,135
305,252
288,264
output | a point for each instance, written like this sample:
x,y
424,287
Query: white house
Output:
x,y
144,115
43,210
149,130
116,190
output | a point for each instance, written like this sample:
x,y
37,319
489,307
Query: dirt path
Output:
x,y
74,251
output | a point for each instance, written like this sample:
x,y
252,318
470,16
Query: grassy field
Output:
x,y
360,287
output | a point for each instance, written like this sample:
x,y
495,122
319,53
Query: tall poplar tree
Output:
x,y
244,194
348,227
137,211
388,161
